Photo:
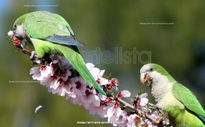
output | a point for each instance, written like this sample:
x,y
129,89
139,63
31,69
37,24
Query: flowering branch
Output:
x,y
58,75
139,112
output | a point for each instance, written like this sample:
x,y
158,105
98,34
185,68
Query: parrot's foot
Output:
x,y
33,55
34,58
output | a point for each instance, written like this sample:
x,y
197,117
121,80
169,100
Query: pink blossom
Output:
x,y
115,115
124,93
143,101
69,84
132,120
143,95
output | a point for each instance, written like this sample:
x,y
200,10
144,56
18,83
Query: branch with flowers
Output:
x,y
58,75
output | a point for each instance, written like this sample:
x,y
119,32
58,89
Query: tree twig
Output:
x,y
139,112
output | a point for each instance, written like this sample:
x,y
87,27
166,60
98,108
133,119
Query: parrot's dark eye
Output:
x,y
151,69
15,26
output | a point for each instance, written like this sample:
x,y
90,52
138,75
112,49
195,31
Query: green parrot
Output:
x,y
50,32
180,103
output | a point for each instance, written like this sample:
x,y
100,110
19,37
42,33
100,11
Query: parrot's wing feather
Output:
x,y
185,96
41,24
49,26
78,63
64,40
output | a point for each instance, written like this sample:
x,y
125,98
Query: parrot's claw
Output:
x,y
34,58
33,55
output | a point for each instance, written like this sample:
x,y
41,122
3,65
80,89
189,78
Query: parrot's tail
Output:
x,y
77,61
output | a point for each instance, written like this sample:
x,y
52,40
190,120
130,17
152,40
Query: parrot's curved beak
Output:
x,y
145,78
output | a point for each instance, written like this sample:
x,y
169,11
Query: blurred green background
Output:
x,y
106,25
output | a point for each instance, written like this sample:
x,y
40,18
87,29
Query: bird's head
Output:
x,y
151,74
18,33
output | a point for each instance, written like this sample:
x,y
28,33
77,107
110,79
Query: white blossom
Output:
x,y
126,93
38,108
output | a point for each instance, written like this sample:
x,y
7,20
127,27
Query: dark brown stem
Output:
x,y
26,51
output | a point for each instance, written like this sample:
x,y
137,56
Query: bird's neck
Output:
x,y
161,87
161,90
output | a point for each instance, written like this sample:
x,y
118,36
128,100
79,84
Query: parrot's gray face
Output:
x,y
150,76
19,31
18,35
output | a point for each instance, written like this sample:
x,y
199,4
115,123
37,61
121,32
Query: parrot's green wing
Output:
x,y
185,96
49,26
75,59
78,63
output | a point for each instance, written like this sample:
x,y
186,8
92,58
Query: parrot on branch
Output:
x,y
49,32
177,100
